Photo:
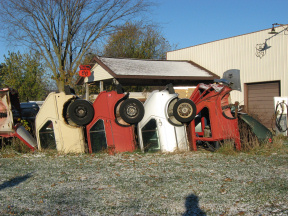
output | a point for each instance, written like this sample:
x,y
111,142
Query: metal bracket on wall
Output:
x,y
261,48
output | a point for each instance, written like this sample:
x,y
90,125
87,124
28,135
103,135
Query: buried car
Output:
x,y
10,112
217,120
214,121
60,121
163,125
112,127
251,127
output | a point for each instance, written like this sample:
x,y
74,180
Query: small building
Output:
x,y
142,72
262,59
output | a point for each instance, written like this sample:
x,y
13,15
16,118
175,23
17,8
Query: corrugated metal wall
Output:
x,y
240,53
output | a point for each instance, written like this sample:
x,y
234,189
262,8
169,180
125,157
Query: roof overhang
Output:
x,y
151,72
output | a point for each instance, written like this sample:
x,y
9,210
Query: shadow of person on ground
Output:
x,y
15,181
192,206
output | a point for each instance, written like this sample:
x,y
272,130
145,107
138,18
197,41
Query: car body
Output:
x,y
10,118
110,128
262,133
160,129
214,121
60,122
29,110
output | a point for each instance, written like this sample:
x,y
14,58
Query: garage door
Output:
x,y
260,101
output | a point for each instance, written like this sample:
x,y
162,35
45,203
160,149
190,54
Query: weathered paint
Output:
x,y
119,138
68,139
6,119
214,115
7,127
170,137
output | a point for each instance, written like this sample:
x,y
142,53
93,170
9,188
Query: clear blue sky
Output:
x,y
190,22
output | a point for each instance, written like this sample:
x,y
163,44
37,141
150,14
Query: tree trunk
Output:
x,y
60,85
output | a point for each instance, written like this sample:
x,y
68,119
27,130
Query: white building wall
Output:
x,y
97,74
240,53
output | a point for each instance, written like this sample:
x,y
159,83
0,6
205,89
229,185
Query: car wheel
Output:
x,y
131,111
184,110
214,146
81,112
211,146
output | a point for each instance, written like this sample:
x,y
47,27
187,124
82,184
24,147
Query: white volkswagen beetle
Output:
x,y
163,125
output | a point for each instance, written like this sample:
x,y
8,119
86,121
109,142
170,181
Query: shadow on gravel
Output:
x,y
192,206
15,181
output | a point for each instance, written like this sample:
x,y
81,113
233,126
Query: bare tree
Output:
x,y
63,31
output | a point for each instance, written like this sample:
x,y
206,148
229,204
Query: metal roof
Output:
x,y
153,72
140,67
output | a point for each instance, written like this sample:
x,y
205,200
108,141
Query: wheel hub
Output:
x,y
131,111
81,112
185,110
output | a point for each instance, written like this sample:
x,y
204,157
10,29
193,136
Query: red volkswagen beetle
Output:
x,y
112,127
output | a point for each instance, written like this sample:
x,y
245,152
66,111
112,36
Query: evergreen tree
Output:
x,y
24,73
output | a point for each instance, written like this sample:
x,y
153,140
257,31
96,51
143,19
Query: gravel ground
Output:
x,y
194,183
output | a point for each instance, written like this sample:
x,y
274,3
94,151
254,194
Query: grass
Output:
x,y
251,145
191,183
254,147
12,146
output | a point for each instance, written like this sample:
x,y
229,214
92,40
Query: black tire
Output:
x,y
184,110
81,112
131,111
211,146
214,146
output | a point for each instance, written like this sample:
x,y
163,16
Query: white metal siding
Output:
x,y
97,74
239,53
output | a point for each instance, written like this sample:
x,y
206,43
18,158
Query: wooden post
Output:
x,y
87,91
101,86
